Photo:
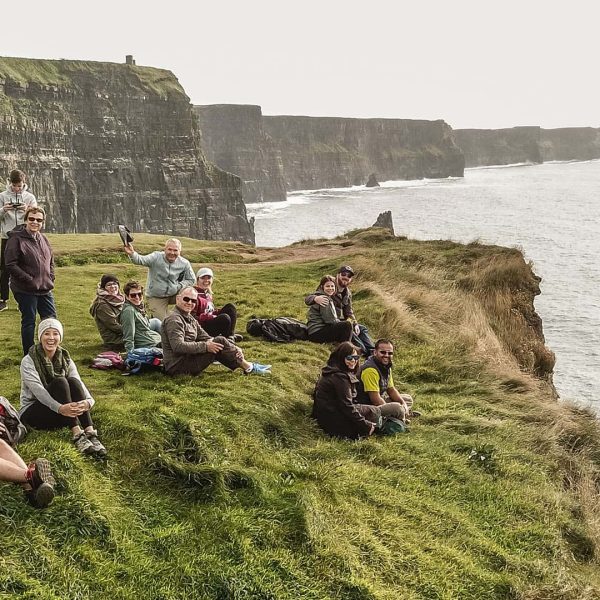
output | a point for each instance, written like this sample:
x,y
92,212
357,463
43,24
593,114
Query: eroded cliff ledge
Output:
x,y
108,143
294,152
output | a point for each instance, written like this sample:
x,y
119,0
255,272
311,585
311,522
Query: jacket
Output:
x,y
106,310
205,309
384,379
334,405
136,329
165,279
32,389
342,300
29,262
319,317
19,202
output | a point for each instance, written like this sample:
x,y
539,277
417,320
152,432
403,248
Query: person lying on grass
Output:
x,y
189,350
52,393
138,330
323,322
36,479
335,407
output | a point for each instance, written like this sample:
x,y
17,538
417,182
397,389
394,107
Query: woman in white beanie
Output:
x,y
52,393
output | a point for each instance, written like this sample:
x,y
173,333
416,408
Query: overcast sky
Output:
x,y
473,63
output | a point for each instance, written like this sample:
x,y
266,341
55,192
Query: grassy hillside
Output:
x,y
221,486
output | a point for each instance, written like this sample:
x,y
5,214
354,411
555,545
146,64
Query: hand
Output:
x,y
128,249
6,207
238,353
2,428
73,409
356,328
214,347
372,429
321,300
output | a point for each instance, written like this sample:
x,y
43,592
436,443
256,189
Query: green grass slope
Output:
x,y
221,486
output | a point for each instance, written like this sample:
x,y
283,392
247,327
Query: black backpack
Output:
x,y
280,329
14,430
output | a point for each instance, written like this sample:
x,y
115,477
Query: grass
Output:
x,y
221,486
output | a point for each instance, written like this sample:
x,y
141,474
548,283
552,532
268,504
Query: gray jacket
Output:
x,y
320,316
19,203
165,279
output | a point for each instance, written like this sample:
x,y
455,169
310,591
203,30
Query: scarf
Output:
x,y
112,299
141,308
49,369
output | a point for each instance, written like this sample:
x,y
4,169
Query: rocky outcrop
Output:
x,y
321,152
570,143
372,181
385,221
106,143
499,146
234,139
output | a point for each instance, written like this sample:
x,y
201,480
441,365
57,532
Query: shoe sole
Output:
x,y
43,471
43,495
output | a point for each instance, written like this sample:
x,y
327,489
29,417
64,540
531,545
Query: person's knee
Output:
x,y
395,409
220,339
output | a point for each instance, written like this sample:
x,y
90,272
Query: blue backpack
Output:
x,y
144,359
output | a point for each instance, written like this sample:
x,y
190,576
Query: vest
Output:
x,y
384,377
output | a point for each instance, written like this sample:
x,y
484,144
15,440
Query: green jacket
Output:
x,y
319,317
106,310
136,329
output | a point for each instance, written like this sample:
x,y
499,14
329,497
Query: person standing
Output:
x,y
30,264
168,274
14,201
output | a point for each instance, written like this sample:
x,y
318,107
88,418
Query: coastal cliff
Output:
x,y
487,147
273,154
107,143
233,138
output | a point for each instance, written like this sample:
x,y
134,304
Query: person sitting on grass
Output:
x,y
138,330
215,321
189,350
334,399
52,393
106,309
323,323
36,479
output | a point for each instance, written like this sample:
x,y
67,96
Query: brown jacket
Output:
x,y
184,346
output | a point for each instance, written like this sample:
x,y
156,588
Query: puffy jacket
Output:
x,y
29,262
165,279
106,310
19,202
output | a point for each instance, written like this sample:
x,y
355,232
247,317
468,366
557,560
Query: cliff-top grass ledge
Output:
x,y
221,486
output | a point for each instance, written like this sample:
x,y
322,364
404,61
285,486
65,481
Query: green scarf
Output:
x,y
49,369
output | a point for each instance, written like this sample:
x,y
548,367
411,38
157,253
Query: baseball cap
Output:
x,y
204,271
346,269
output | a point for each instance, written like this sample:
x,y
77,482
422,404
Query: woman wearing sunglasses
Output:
x,y
138,330
30,264
323,323
335,407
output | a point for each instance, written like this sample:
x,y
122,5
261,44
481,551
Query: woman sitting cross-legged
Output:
x,y
335,407
138,330
215,321
105,309
52,393
36,479
323,323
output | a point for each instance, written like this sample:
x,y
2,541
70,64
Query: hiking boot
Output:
x,y
3,305
83,444
99,449
236,338
414,413
39,476
258,369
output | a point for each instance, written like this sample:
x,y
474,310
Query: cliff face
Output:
x,y
233,138
499,146
320,152
570,143
105,144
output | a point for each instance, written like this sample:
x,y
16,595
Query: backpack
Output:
x,y
14,430
392,426
144,359
108,360
280,329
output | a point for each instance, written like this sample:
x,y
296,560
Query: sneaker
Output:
x,y
83,444
42,482
3,305
236,338
414,413
99,449
258,369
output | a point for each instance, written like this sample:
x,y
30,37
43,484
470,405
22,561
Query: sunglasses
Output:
x,y
136,294
188,300
352,357
385,353
35,220
346,274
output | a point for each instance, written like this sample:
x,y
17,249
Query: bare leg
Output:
x,y
12,466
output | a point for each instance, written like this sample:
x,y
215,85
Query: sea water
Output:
x,y
550,211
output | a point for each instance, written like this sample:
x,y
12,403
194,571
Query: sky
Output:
x,y
483,64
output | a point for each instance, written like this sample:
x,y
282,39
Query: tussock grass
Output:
x,y
220,486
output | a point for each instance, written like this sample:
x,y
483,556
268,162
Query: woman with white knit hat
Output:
x,y
52,393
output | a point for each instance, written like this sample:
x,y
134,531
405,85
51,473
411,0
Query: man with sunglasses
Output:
x,y
376,383
30,264
342,300
189,350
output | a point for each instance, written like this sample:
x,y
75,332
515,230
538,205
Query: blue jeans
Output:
x,y
29,305
155,324
363,340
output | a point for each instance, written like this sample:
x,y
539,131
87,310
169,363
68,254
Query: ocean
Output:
x,y
551,212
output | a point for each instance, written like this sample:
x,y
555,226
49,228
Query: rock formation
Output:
x,y
372,181
106,143
234,139
385,220
570,143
